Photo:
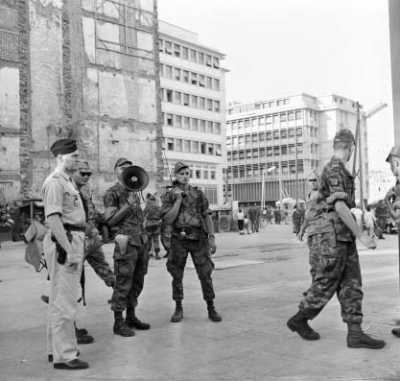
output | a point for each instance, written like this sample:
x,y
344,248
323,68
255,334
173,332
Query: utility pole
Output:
x,y
360,157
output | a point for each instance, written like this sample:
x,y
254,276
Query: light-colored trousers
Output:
x,y
65,291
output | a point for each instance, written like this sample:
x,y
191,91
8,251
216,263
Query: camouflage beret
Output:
x,y
345,136
179,166
395,151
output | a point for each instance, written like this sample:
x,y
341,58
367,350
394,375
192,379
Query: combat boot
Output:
x,y
396,332
178,314
120,327
213,315
356,338
298,323
133,322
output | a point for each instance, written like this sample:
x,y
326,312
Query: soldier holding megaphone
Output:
x,y
123,212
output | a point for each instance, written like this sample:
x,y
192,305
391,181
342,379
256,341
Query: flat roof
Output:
x,y
184,36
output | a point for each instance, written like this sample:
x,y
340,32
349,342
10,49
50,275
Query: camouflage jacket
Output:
x,y
88,205
132,224
193,210
337,184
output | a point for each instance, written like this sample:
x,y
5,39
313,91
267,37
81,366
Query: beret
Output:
x,y
395,151
121,161
63,146
180,165
344,135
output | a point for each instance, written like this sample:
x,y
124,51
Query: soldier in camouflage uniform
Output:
x,y
334,259
94,253
152,224
392,198
185,208
131,257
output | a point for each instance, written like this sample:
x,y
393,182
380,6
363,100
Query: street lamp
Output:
x,y
263,185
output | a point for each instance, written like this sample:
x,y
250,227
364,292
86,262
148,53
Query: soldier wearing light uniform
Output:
x,y
392,198
65,217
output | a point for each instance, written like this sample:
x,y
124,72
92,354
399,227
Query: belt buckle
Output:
x,y
182,233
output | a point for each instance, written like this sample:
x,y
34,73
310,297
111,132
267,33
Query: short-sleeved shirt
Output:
x,y
193,210
61,197
337,184
132,224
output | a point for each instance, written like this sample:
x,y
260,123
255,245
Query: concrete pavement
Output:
x,y
259,279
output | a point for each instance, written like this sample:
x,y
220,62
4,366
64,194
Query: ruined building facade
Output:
x,y
78,68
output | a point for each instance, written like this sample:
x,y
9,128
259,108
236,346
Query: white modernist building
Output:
x,y
279,142
193,108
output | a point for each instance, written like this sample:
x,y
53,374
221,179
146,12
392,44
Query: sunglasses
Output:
x,y
86,174
312,181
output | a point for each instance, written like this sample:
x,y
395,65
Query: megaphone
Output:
x,y
134,178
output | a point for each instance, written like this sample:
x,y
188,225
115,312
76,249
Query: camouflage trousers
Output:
x,y
154,239
335,268
199,250
130,269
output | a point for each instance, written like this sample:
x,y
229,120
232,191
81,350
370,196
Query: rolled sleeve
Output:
x,y
53,198
204,205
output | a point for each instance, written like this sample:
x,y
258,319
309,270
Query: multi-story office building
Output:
x,y
193,107
280,141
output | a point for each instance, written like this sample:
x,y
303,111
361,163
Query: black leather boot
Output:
x,y
298,323
120,327
133,322
178,314
356,338
213,315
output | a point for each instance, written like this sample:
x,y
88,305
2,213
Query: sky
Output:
x,y
285,47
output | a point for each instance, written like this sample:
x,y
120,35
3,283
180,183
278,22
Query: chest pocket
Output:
x,y
136,213
71,201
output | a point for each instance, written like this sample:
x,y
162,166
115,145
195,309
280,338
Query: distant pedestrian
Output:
x,y
246,224
277,216
240,219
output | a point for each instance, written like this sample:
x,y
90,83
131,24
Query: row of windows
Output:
x,y
184,99
193,124
258,105
190,77
180,51
270,169
272,118
265,152
265,136
191,146
196,173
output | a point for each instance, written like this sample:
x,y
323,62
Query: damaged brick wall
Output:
x,y
26,162
69,81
